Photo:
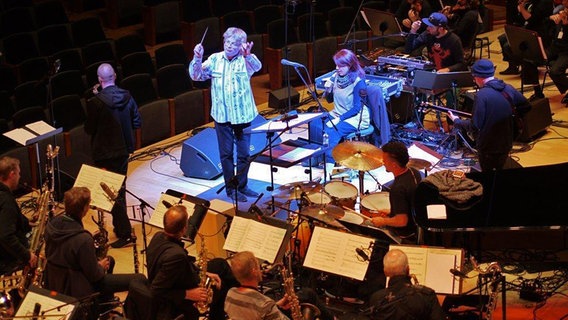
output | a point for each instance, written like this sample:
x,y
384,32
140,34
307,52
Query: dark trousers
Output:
x,y
334,136
120,220
558,66
492,161
227,136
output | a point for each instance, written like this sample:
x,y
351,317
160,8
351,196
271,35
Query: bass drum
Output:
x,y
342,193
300,237
375,204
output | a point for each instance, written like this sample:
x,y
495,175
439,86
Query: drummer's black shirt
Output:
x,y
401,198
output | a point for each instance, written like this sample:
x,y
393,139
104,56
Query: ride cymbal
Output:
x,y
358,155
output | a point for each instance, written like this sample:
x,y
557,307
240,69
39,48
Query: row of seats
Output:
x,y
32,17
161,118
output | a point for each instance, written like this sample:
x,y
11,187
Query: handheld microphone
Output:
x,y
289,63
110,194
361,253
56,65
458,273
167,204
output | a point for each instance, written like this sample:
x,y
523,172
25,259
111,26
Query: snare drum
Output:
x,y
342,193
319,197
372,203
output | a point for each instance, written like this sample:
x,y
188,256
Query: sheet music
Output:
x,y
20,135
249,235
27,306
432,265
40,127
31,131
334,252
91,177
157,218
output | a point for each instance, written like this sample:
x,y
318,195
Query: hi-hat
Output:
x,y
358,155
294,190
325,213
418,163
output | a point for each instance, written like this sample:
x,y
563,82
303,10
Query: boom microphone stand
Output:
x,y
143,205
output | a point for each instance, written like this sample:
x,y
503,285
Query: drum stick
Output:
x,y
204,33
357,213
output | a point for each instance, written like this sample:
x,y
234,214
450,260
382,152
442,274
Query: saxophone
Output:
x,y
101,236
205,281
494,270
45,205
304,311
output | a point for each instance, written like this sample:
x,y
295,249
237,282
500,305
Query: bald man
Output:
x,y
112,115
401,299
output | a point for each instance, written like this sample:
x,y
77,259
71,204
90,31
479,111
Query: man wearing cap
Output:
x,y
492,120
444,47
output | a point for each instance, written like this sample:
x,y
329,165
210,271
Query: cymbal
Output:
x,y
358,155
294,190
324,213
419,163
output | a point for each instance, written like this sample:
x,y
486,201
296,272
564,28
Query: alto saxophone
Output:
x,y
494,270
304,311
205,281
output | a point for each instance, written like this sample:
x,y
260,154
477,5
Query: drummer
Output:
x,y
401,194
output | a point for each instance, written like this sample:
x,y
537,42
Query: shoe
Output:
x,y
537,95
248,192
121,242
240,197
510,71
565,99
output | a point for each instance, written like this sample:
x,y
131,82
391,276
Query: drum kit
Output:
x,y
335,201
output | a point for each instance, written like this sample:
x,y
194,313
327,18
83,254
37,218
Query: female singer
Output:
x,y
347,90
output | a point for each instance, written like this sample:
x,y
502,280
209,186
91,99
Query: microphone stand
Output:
x,y
322,109
351,28
143,205
53,72
286,49
78,300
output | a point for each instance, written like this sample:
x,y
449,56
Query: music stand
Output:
x,y
526,45
51,305
383,23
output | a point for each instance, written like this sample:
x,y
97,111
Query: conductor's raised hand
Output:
x,y
246,47
198,51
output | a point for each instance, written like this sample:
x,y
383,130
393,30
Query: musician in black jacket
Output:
x,y
173,275
402,300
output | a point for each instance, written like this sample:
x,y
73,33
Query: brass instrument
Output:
x,y
304,311
560,17
494,270
135,252
101,236
8,283
205,281
45,206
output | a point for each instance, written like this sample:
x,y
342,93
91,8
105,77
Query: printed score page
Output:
x,y
260,238
91,177
334,252
431,266
26,309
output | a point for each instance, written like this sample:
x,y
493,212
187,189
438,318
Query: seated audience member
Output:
x,y
73,267
402,300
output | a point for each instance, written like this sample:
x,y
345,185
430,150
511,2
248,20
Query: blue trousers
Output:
x,y
229,135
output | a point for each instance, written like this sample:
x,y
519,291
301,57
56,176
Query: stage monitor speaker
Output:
x,y
536,120
278,99
401,109
200,153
